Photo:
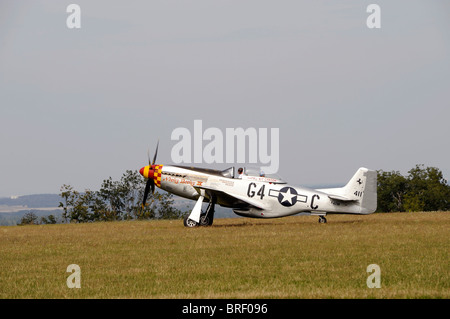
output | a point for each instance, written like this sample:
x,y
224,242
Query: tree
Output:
x,y
76,205
424,189
124,197
166,209
391,191
29,218
50,219
117,200
427,190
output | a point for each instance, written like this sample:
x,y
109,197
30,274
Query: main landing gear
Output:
x,y
206,218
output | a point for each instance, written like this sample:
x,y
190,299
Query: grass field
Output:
x,y
294,257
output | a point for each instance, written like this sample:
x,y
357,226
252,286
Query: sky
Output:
x,y
80,105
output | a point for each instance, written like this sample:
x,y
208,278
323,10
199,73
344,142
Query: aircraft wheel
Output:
x,y
204,221
322,220
189,222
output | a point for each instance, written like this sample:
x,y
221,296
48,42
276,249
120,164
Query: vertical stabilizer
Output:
x,y
363,187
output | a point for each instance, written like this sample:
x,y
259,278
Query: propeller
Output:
x,y
150,184
150,181
156,153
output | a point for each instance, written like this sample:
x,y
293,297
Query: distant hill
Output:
x,y
34,201
13,208
11,219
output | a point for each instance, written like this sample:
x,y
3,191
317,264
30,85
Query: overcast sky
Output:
x,y
80,105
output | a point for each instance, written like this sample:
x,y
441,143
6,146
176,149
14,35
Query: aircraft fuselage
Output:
x,y
268,197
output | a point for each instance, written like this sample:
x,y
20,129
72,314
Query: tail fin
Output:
x,y
363,187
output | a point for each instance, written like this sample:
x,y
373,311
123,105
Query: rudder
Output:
x,y
363,187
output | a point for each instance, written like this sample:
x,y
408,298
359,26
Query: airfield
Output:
x,y
293,257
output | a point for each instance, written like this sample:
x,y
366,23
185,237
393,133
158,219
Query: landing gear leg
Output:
x,y
322,220
207,218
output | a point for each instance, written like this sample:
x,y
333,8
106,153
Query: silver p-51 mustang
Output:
x,y
250,193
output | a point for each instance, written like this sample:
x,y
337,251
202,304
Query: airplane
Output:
x,y
256,195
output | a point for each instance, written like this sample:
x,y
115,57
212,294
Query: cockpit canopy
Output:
x,y
252,173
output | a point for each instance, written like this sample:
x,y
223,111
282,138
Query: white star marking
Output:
x,y
288,196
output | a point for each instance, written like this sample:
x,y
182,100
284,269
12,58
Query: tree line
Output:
x,y
423,189
115,200
31,218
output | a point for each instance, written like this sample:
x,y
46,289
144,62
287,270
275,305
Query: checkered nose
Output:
x,y
147,171
152,171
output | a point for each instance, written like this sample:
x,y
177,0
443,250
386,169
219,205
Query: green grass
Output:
x,y
294,257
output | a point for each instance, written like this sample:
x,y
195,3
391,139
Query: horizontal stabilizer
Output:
x,y
341,198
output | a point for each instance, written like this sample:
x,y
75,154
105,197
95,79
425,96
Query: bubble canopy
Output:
x,y
258,172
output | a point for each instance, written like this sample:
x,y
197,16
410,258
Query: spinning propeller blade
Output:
x,y
156,153
150,185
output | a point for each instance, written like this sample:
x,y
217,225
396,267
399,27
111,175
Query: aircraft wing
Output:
x,y
230,200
